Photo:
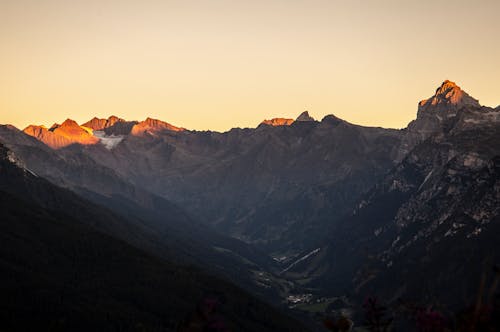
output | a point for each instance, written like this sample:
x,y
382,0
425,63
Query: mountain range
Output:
x,y
290,208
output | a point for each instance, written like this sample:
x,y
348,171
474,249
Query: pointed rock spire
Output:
x,y
434,115
304,117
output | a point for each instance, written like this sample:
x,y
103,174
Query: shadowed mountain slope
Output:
x,y
146,221
59,272
273,186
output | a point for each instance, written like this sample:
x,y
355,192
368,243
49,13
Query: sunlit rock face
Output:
x,y
101,124
59,136
109,131
278,122
448,100
110,128
448,97
37,131
153,126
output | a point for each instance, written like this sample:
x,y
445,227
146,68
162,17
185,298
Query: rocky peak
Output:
x,y
68,123
450,108
278,122
332,119
58,136
101,124
34,130
151,125
95,123
448,96
155,123
113,119
72,129
304,117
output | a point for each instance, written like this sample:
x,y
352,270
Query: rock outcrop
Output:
x,y
304,117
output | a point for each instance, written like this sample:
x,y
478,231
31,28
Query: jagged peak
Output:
x,y
449,95
304,117
99,124
33,129
275,122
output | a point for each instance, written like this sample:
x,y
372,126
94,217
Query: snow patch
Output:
x,y
31,172
425,180
11,157
110,141
395,241
475,232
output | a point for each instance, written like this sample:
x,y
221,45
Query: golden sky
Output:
x,y
222,64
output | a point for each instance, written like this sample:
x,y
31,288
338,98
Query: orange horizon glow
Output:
x,y
215,65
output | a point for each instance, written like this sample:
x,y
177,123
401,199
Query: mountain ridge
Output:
x,y
447,101
316,196
300,161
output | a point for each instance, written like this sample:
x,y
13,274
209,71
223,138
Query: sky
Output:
x,y
222,64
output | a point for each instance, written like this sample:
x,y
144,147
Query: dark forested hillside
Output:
x,y
59,273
